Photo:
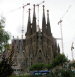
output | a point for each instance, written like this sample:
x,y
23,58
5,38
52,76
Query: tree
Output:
x,y
5,68
59,60
4,36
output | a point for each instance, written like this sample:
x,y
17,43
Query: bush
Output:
x,y
5,68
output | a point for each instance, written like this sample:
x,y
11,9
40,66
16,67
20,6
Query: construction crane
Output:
x,y
38,11
23,7
23,18
60,23
12,51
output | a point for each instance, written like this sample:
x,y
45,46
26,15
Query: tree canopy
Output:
x,y
59,60
4,36
5,68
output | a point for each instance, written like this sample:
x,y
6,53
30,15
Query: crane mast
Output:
x,y
38,13
23,18
12,51
60,23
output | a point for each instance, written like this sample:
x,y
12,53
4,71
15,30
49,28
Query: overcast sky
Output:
x,y
12,10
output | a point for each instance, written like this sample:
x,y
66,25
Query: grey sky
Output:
x,y
9,9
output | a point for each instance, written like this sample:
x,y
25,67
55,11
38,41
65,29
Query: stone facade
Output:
x,y
38,46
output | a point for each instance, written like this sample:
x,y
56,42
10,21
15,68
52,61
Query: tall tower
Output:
x,y
29,30
34,21
49,52
34,31
48,24
33,37
28,41
39,46
43,21
44,39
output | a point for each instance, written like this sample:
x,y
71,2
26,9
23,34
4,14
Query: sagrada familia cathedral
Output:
x,y
38,46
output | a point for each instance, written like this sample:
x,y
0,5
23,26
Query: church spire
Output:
x,y
34,21
58,48
48,24
29,24
43,21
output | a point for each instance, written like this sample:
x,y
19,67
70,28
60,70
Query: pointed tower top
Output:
x,y
43,6
43,9
48,24
34,11
34,5
34,21
43,21
48,16
29,9
29,24
47,10
29,16
58,48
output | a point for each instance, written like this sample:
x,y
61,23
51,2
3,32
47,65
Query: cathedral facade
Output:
x,y
38,46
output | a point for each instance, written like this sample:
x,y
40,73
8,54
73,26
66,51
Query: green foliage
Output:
x,y
59,60
49,66
4,36
66,72
38,66
5,68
